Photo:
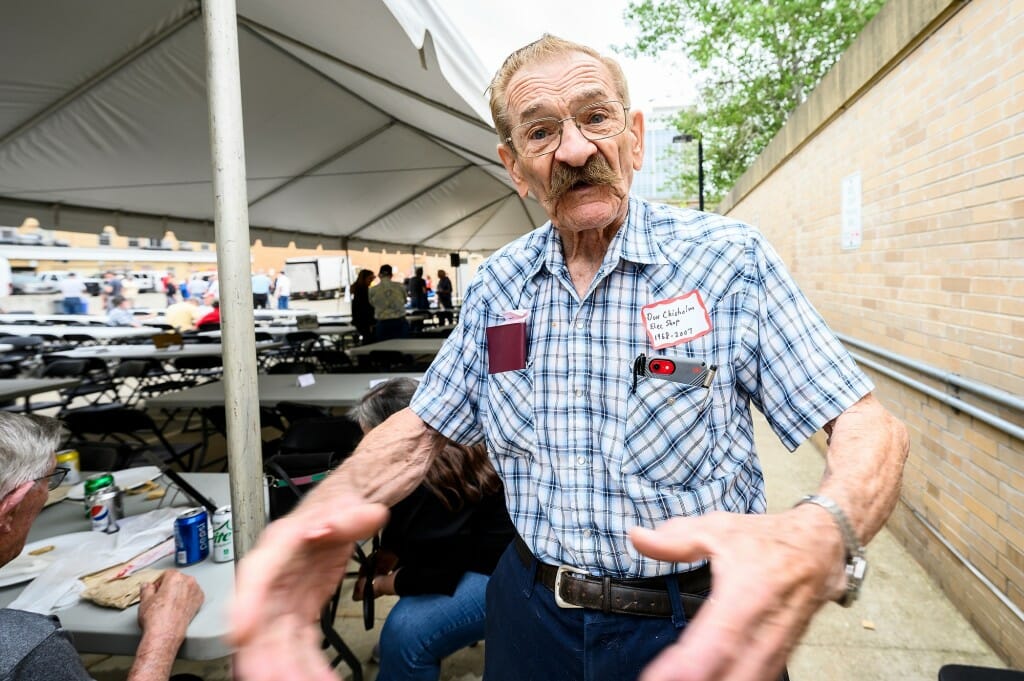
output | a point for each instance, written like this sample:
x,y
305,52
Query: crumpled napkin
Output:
x,y
59,587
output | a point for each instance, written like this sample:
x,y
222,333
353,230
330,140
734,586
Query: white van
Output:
x,y
147,280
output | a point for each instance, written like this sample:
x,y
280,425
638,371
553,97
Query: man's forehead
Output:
x,y
565,79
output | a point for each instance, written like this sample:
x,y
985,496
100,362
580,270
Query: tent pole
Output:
x,y
231,220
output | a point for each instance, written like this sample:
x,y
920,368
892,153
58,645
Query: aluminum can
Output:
x,y
191,537
96,483
106,507
68,458
223,536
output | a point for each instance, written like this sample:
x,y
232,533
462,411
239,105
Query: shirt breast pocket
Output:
x,y
510,427
667,431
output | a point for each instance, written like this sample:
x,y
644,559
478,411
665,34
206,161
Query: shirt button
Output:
x,y
579,393
670,400
587,534
579,325
581,460
554,325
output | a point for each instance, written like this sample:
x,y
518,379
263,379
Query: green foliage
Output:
x,y
758,60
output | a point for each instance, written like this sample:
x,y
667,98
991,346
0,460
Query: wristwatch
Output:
x,y
856,563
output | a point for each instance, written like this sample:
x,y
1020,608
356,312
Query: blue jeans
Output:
x,y
387,329
422,630
530,638
71,305
282,302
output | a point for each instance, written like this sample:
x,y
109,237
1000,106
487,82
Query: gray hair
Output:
x,y
27,445
383,400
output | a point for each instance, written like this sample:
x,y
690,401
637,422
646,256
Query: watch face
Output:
x,y
856,570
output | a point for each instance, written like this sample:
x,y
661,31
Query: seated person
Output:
x,y
183,315
35,646
211,317
444,540
121,313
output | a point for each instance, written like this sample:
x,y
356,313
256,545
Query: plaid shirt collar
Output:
x,y
634,242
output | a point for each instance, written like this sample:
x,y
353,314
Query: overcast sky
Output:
x,y
494,29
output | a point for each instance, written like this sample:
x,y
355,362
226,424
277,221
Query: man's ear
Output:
x,y
636,127
510,161
9,504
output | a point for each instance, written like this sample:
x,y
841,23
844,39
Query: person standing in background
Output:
x,y
72,290
110,290
283,290
260,290
417,290
362,310
444,298
388,300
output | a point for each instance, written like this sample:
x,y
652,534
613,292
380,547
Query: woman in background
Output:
x,y
362,311
445,537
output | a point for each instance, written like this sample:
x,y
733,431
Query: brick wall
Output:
x,y
937,135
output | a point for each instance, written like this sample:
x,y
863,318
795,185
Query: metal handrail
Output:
x,y
999,396
988,392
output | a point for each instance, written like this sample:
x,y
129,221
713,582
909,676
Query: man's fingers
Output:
x,y
288,547
680,540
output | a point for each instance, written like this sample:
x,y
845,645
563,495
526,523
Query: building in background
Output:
x,y
661,158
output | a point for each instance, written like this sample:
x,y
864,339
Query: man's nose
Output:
x,y
575,149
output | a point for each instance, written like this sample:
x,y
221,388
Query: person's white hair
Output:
x,y
27,445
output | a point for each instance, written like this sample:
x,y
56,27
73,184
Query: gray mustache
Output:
x,y
595,171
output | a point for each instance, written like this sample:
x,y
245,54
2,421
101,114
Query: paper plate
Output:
x,y
126,479
27,567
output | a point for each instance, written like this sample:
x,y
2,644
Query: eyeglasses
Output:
x,y
544,135
54,479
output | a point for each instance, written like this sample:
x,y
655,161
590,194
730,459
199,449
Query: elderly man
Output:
x,y
609,360
34,646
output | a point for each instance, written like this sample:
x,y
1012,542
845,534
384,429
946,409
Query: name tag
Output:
x,y
676,321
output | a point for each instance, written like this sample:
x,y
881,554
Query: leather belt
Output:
x,y
574,588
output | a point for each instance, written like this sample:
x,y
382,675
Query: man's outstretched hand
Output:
x,y
770,574
283,583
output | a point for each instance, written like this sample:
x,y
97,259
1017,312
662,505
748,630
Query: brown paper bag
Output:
x,y
102,589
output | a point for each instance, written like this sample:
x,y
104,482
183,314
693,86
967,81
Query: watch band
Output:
x,y
856,563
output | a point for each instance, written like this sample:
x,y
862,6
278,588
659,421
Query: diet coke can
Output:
x,y
223,536
105,509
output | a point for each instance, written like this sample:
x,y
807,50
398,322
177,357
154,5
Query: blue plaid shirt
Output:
x,y
585,456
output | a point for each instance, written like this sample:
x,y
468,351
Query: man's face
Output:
x,y
18,518
558,88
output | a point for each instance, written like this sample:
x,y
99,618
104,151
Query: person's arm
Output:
x,y
165,610
300,559
771,573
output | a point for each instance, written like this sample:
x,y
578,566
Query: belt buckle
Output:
x,y
563,569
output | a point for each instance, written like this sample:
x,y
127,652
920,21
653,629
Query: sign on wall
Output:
x,y
852,231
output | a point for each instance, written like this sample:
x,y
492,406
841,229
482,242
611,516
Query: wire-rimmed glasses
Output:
x,y
54,479
544,135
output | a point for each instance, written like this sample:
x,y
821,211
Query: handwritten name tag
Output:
x,y
676,320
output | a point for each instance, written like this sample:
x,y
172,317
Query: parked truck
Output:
x,y
316,277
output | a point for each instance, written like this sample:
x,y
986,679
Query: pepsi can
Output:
x,y
191,537
105,509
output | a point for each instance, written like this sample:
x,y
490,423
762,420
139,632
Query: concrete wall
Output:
x,y
928,107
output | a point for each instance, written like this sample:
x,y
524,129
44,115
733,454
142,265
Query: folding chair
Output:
x,y
296,470
292,367
132,428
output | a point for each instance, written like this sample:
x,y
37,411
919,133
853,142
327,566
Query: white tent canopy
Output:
x,y
364,124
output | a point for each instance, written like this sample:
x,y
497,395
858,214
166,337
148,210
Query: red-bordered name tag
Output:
x,y
676,321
